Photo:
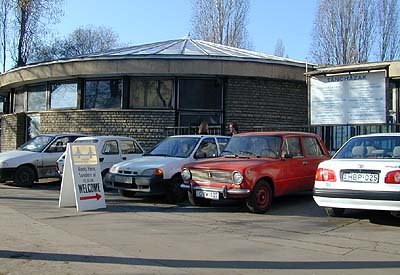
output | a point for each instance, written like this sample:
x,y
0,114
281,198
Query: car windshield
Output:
x,y
37,144
180,147
371,147
260,146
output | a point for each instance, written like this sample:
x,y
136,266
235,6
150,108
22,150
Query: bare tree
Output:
x,y
388,32
343,31
279,48
32,17
83,40
5,13
221,21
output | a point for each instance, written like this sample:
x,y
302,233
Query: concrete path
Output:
x,y
146,236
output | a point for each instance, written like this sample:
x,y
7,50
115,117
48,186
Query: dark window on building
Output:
x,y
37,98
200,94
151,93
103,93
64,95
19,101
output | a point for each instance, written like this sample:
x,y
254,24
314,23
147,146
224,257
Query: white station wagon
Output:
x,y
159,170
110,149
363,174
35,159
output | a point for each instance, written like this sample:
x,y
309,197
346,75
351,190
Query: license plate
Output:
x,y
207,194
123,179
361,177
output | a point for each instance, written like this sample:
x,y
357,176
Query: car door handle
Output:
x,y
124,158
305,162
101,159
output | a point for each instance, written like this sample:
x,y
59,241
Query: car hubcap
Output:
x,y
262,198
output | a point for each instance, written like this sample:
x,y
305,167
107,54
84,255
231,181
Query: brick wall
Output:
x,y
265,102
12,131
145,126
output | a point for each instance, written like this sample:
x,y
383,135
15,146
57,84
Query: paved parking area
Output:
x,y
144,235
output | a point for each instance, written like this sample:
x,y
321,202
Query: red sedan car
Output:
x,y
256,166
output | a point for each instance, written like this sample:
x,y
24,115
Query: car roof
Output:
x,y
63,135
197,136
104,137
379,135
277,133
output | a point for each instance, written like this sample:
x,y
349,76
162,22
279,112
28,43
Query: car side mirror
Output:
x,y
287,156
199,155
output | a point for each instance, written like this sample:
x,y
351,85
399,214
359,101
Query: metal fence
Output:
x,y
333,136
191,130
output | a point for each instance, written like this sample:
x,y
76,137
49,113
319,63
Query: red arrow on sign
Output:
x,y
97,197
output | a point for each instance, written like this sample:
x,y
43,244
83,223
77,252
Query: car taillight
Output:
x,y
393,177
325,175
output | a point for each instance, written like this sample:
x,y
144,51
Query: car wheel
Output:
x,y
395,214
260,199
197,201
103,175
24,176
126,193
334,212
174,191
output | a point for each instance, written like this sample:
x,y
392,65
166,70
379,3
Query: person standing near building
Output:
x,y
203,128
233,129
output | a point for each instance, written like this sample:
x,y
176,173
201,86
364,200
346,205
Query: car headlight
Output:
x,y
3,164
237,177
114,169
186,175
153,171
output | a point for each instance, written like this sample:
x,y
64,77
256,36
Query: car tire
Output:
x,y
197,201
174,191
24,176
334,212
261,198
126,193
103,175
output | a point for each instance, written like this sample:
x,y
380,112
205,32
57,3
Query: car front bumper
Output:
x,y
224,191
7,174
357,199
150,184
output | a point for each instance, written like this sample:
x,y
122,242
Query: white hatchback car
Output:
x,y
110,149
363,174
159,170
35,159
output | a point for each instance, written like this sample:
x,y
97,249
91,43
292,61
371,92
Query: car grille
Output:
x,y
127,172
212,176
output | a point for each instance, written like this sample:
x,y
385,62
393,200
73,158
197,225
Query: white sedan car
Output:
x,y
159,170
363,174
35,159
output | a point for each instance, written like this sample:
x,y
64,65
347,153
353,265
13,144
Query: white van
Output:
x,y
110,149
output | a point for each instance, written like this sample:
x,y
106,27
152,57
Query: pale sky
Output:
x,y
145,21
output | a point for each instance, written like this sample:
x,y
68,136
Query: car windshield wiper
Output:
x,y
248,153
229,154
